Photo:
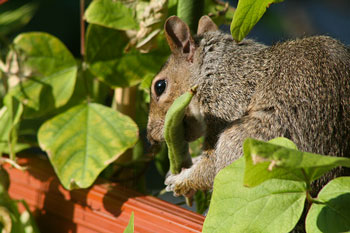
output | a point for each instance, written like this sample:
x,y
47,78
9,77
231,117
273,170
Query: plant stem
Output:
x,y
307,180
311,200
12,162
82,50
82,28
125,99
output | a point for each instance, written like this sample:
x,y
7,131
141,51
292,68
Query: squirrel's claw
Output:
x,y
179,184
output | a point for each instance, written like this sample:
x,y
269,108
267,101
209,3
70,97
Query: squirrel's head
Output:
x,y
174,78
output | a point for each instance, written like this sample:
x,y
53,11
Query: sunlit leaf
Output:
x,y
52,70
266,160
84,140
332,212
107,60
247,14
273,206
112,14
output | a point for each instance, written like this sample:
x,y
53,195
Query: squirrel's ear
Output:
x,y
179,36
205,24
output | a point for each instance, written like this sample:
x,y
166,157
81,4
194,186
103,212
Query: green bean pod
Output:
x,y
174,132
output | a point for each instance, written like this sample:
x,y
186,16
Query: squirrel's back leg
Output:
x,y
262,124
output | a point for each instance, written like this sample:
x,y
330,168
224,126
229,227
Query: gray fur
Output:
x,y
299,89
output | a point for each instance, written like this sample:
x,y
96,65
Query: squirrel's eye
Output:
x,y
159,87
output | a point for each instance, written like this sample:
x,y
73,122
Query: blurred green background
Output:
x,y
292,18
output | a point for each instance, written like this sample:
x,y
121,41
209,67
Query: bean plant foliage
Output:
x,y
266,190
58,102
61,103
247,14
51,99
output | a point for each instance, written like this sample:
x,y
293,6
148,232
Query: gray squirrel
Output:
x,y
298,89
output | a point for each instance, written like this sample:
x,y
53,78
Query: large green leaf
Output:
x,y
104,51
258,171
107,60
332,213
112,14
247,14
52,71
266,160
84,140
274,206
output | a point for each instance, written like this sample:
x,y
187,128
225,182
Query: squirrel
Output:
x,y
298,89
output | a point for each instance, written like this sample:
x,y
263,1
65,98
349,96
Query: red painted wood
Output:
x,y
102,208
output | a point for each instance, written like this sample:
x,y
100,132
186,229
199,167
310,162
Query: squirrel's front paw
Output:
x,y
179,184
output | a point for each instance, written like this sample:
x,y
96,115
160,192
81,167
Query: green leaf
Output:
x,y
136,66
107,60
112,14
274,206
104,50
172,7
130,227
266,160
172,3
285,142
247,14
190,12
331,213
52,72
5,127
15,110
14,16
146,83
84,140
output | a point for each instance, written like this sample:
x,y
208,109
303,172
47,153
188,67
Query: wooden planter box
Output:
x,y
102,208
